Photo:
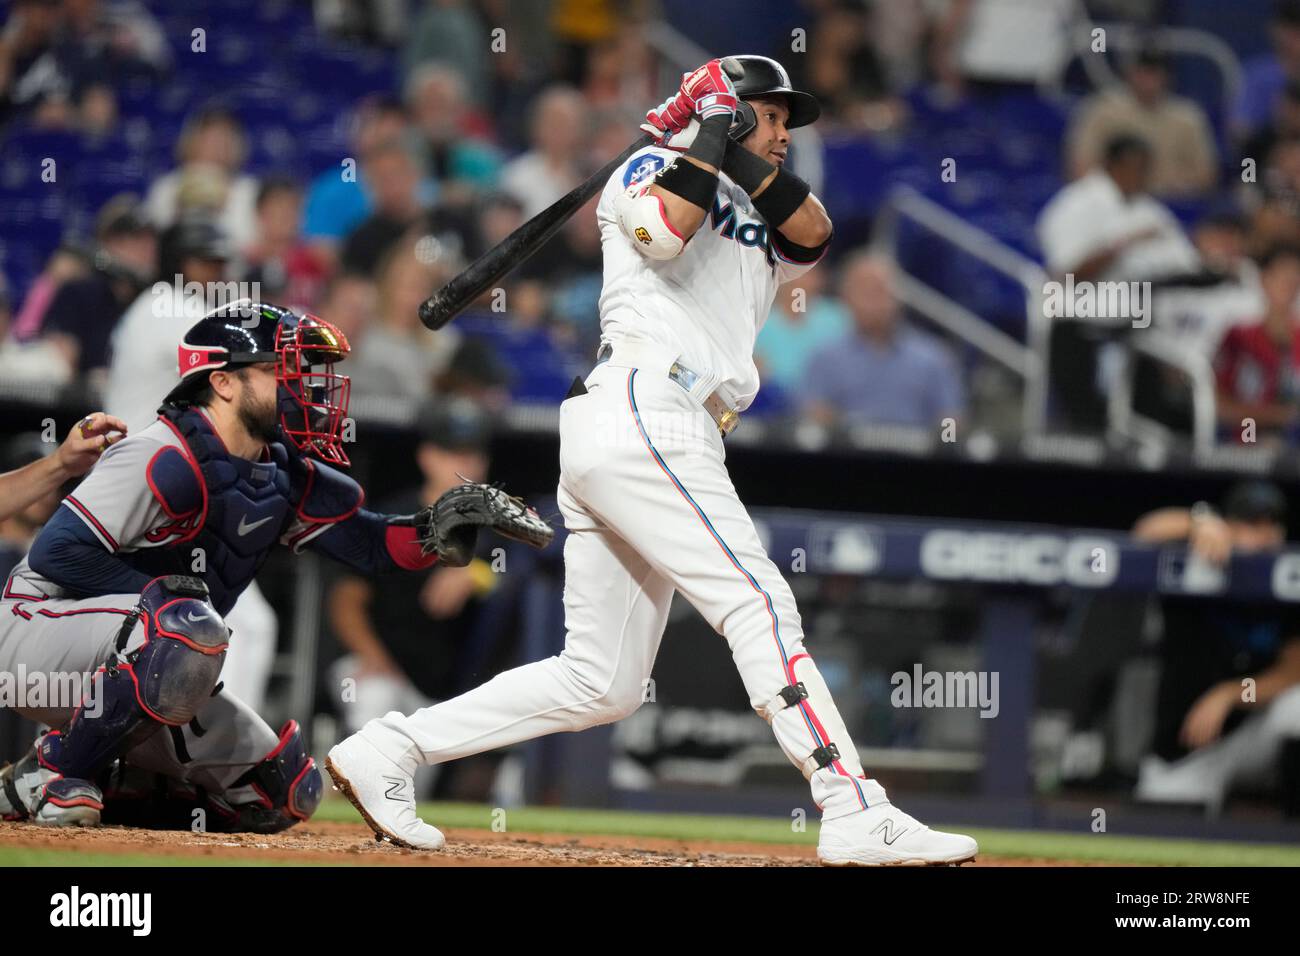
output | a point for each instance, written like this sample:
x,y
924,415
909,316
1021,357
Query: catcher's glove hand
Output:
x,y
450,525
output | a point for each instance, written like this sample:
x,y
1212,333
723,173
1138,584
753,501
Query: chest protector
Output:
x,y
227,513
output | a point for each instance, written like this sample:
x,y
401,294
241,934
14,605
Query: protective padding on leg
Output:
x,y
164,681
185,646
807,723
286,781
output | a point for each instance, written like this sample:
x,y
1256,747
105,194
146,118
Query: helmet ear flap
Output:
x,y
744,122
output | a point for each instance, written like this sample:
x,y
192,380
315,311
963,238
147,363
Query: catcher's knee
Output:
x,y
286,784
162,682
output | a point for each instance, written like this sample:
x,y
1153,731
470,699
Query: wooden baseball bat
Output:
x,y
445,304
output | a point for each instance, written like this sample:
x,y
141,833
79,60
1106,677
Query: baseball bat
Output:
x,y
448,302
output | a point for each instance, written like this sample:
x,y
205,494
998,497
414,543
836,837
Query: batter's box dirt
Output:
x,y
326,843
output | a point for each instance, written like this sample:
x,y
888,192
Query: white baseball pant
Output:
x,y
651,510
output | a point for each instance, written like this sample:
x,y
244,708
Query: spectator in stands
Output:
x,y
1105,227
578,25
212,149
802,322
621,74
1275,199
376,22
846,72
1001,42
1258,365
552,166
397,357
110,41
1265,77
66,263
406,643
453,154
1184,160
30,72
393,181
451,33
286,268
1228,706
37,361
885,371
349,302
84,311
476,372
337,201
194,257
97,111
1284,123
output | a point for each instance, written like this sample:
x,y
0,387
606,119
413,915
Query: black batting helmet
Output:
x,y
764,76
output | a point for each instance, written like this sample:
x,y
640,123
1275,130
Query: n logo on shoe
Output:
x,y
890,834
396,789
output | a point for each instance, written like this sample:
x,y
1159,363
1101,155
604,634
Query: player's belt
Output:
x,y
723,415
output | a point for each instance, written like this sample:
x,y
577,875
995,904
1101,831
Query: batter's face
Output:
x,y
770,139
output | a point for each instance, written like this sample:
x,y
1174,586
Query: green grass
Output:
x,y
1083,847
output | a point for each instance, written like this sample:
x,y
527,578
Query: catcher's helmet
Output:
x,y
313,399
765,76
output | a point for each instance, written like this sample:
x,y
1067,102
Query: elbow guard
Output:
x,y
643,219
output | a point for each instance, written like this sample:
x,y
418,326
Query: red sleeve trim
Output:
x,y
90,519
404,548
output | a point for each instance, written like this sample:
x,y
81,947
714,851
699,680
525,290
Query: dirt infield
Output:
x,y
325,842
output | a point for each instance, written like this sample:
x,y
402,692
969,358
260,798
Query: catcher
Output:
x,y
126,586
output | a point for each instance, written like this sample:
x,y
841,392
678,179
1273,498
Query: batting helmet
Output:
x,y
764,76
313,399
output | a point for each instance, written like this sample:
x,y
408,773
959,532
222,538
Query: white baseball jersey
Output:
x,y
706,305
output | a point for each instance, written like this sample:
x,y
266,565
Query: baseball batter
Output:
x,y
697,233
133,576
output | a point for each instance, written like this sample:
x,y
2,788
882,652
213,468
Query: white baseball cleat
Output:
x,y
383,791
884,835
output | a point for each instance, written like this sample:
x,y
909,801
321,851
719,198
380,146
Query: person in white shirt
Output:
x,y
697,233
1105,228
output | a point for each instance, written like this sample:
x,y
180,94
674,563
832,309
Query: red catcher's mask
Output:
x,y
313,398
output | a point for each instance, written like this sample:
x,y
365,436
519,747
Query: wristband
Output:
x,y
747,170
695,185
711,141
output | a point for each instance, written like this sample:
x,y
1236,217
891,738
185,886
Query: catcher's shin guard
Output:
x,y
811,733
162,682
286,785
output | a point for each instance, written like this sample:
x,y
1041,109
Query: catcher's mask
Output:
x,y
311,398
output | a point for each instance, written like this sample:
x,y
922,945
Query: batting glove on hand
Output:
x,y
710,91
672,123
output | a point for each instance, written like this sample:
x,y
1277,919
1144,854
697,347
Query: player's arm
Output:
x,y
801,228
661,216
331,521
81,449
1205,719
348,605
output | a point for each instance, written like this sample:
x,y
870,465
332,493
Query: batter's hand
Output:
x,y
87,441
669,117
710,91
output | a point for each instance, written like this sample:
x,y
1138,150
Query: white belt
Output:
x,y
650,357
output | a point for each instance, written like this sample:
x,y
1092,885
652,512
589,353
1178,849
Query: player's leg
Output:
x,y
225,770
669,495
51,648
157,666
254,629
615,607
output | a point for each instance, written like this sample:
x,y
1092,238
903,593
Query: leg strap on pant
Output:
x,y
788,697
820,759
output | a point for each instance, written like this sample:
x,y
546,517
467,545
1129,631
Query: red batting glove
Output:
x,y
668,118
710,90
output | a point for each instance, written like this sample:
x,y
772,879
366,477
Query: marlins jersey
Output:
x,y
708,304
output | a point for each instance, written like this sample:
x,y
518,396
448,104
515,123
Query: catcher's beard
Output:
x,y
260,419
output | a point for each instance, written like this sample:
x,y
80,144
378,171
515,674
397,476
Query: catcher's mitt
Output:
x,y
450,525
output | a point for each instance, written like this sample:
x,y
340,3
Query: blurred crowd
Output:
x,y
473,137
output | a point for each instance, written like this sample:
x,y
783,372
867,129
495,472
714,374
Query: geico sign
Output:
x,y
1029,558
1286,577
